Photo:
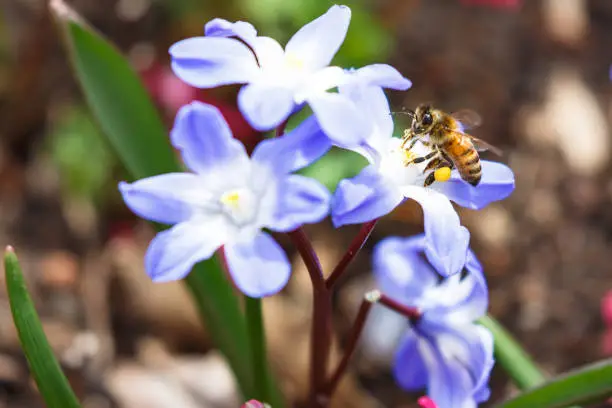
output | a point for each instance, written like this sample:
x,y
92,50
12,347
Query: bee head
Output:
x,y
424,119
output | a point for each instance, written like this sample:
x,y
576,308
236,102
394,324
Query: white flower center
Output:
x,y
239,204
294,63
394,160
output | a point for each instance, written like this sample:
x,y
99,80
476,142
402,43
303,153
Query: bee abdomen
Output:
x,y
468,163
466,159
471,170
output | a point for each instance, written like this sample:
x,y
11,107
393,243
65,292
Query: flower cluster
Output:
x,y
444,350
229,200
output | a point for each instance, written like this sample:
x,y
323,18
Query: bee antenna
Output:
x,y
403,112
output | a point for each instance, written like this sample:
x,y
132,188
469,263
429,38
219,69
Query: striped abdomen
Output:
x,y
465,157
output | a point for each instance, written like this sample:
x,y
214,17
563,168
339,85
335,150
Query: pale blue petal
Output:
x,y
466,360
482,392
167,198
319,82
341,119
264,106
477,303
401,269
382,75
409,368
496,184
447,240
259,267
208,62
318,41
449,383
372,105
204,138
363,198
295,150
219,27
473,305
464,299
270,54
302,201
172,253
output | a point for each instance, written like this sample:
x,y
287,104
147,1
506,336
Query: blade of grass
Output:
x,y
586,385
512,357
52,384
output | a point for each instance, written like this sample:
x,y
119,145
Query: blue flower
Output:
x,y
278,80
444,351
226,201
387,181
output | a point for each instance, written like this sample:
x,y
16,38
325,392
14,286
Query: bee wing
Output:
x,y
468,118
481,145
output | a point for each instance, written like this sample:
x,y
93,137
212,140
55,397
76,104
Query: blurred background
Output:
x,y
538,72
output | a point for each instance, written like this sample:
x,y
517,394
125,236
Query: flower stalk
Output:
x,y
411,313
321,317
353,249
368,301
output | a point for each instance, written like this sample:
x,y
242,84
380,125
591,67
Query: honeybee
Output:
x,y
452,147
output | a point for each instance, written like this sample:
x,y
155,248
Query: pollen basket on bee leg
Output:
x,y
442,174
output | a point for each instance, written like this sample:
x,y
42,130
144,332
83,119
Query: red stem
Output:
x,y
321,318
410,312
280,130
368,301
309,256
353,249
366,304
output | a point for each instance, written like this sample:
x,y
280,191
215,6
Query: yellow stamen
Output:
x,y
442,174
408,156
231,198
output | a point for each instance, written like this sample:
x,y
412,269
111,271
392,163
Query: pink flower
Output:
x,y
427,402
254,404
606,315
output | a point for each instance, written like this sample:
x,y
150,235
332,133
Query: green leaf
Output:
x,y
512,357
117,98
50,379
257,340
589,384
133,127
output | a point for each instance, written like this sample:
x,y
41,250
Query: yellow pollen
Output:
x,y
231,199
442,174
408,156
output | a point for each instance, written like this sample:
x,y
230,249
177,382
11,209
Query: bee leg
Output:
x,y
436,163
433,164
422,158
414,140
447,159
429,179
407,136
